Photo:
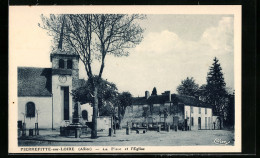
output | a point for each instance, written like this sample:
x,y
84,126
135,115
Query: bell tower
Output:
x,y
65,75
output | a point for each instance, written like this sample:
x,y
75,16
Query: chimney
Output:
x,y
147,94
168,93
170,97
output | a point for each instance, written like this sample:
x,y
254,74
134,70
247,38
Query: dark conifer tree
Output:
x,y
216,88
154,92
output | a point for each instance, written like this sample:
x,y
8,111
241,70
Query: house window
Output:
x,y
69,64
85,115
191,109
199,110
30,109
192,121
205,110
61,63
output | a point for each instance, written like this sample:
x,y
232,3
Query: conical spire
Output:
x,y
61,33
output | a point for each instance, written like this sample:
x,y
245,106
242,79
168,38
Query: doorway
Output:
x,y
199,123
65,101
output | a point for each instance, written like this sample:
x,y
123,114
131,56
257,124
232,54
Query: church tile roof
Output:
x,y
34,81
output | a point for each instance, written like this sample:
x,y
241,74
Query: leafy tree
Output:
x,y
107,93
146,113
107,110
154,92
165,114
123,100
188,87
93,37
215,89
202,93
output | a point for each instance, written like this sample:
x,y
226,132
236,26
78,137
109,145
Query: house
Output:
x,y
171,108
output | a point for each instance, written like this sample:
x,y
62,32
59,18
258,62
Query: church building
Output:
x,y
44,94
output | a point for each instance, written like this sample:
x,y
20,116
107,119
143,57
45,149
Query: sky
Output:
x,y
174,47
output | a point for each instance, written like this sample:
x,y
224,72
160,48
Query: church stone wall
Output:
x,y
55,63
57,100
43,105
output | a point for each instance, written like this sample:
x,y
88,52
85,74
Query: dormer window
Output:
x,y
69,64
61,64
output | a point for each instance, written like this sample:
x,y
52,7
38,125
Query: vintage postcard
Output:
x,y
124,79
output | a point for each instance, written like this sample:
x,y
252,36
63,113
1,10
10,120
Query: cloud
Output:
x,y
163,59
215,40
159,43
220,37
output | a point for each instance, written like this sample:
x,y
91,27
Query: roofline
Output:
x,y
33,67
34,95
199,106
65,55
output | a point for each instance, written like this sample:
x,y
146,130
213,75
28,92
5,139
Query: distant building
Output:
x,y
179,109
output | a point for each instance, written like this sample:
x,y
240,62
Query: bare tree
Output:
x,y
93,37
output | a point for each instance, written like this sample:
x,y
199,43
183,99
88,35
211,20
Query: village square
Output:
x,y
58,107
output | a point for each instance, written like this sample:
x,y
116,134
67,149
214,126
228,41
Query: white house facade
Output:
x,y
198,117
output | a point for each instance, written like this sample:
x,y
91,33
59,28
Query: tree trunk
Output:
x,y
120,127
114,124
94,117
119,117
100,105
164,122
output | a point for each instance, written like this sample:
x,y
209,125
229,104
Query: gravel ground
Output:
x,y
151,138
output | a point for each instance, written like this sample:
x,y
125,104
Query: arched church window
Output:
x,y
85,115
69,64
61,63
30,109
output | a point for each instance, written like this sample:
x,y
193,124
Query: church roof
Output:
x,y
62,53
58,51
34,81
